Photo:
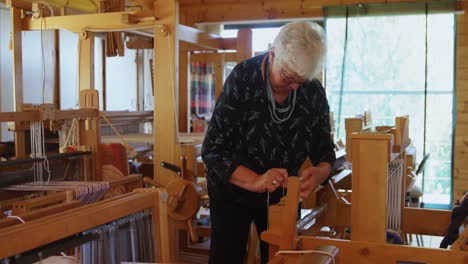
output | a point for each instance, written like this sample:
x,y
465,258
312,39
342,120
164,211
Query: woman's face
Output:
x,y
282,79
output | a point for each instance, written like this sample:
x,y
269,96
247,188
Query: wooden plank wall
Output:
x,y
460,166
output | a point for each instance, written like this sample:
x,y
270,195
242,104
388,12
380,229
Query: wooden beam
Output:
x,y
415,221
48,229
18,4
244,44
20,148
234,11
371,253
19,116
6,222
88,22
78,114
230,43
31,116
200,38
85,6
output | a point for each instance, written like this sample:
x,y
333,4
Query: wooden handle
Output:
x,y
192,231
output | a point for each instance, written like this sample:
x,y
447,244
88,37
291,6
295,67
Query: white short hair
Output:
x,y
301,46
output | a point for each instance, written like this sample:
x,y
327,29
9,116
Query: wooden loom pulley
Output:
x,y
183,197
184,201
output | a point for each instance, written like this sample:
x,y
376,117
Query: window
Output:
x,y
394,65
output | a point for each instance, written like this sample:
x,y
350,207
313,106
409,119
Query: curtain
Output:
x,y
392,60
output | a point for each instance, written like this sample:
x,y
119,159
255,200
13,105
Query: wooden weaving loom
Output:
x,y
372,153
59,225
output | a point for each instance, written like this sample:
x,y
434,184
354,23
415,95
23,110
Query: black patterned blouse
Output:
x,y
242,132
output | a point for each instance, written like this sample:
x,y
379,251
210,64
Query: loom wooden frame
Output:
x,y
57,226
371,155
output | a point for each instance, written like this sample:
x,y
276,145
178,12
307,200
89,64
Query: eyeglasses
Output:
x,y
287,79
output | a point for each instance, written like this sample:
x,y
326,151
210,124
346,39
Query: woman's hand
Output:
x,y
312,177
271,180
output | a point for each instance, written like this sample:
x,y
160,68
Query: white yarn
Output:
x,y
394,195
307,252
68,134
17,217
38,151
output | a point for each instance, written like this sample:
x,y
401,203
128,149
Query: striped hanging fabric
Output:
x,y
202,89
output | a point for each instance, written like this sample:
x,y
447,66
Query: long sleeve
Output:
x,y
218,151
323,146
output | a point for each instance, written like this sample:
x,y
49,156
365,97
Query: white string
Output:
x,y
99,30
70,132
394,195
45,162
38,151
17,217
307,252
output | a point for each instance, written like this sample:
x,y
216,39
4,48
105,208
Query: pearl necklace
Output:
x,y
274,111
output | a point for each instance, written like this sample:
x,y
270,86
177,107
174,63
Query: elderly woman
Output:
x,y
271,115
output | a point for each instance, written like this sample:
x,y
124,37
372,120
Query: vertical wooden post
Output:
x,y
289,213
89,130
86,61
166,60
56,95
219,74
104,87
244,44
184,91
161,226
370,155
20,148
140,74
351,125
